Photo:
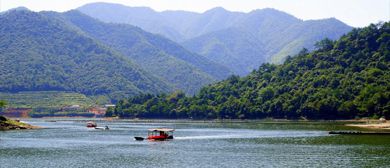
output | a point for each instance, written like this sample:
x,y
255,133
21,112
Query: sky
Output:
x,y
356,13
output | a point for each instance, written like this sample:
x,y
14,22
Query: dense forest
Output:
x,y
344,79
41,54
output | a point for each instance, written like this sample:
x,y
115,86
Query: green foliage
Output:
x,y
39,53
345,79
2,103
47,99
109,112
2,118
325,44
100,99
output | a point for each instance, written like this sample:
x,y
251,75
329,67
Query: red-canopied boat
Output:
x,y
158,134
91,124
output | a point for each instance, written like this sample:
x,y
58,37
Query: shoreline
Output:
x,y
166,120
16,126
384,126
9,124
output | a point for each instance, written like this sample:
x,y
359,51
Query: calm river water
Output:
x,y
68,143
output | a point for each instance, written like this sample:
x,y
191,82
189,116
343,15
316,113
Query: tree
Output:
x,y
288,59
109,112
2,103
324,45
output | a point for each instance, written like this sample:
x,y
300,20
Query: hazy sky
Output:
x,y
357,13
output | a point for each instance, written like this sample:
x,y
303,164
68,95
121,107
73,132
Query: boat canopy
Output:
x,y
161,129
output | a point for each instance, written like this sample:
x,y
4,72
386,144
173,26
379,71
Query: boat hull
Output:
x,y
139,138
102,128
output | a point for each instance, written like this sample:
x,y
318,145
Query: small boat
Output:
x,y
91,124
158,134
103,128
139,138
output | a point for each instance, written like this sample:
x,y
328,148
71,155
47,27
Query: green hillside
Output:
x,y
304,34
344,79
41,54
181,68
32,99
239,50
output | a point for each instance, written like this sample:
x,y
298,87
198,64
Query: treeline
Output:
x,y
343,79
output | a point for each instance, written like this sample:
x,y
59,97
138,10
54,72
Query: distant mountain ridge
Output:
x,y
205,33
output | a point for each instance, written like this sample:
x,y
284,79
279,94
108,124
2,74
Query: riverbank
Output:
x,y
371,125
7,124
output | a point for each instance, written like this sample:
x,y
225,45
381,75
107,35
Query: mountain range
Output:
x,y
344,79
240,41
175,67
107,54
178,66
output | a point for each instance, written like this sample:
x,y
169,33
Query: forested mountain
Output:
x,y
344,79
239,50
268,36
38,53
181,68
215,33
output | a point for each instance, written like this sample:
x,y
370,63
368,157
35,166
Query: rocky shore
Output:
x,y
7,124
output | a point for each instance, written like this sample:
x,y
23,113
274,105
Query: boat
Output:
x,y
103,128
158,134
139,138
91,124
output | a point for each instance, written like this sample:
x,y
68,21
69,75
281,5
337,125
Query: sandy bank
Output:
x,y
371,125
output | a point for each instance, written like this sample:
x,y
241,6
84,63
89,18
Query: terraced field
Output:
x,y
33,99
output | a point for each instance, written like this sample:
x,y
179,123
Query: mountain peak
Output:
x,y
112,6
20,8
216,9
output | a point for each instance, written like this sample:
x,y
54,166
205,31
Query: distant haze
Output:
x,y
356,13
